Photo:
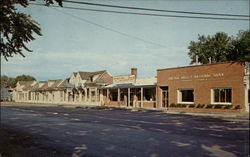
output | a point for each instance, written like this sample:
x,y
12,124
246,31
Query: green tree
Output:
x,y
220,48
17,29
23,78
7,81
240,50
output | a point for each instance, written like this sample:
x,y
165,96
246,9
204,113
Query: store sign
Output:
x,y
202,76
124,79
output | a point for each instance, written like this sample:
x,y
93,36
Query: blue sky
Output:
x,y
71,42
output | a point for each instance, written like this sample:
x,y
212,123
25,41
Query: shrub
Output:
x,y
218,106
200,106
237,107
183,105
172,105
228,106
178,105
209,106
191,105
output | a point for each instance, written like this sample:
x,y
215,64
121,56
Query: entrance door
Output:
x,y
164,96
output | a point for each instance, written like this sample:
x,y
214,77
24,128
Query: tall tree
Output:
x,y
23,78
240,50
17,29
11,82
220,48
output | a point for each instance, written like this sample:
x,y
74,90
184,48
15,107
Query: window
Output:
x,y
186,95
222,95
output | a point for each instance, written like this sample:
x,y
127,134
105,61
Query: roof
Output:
x,y
142,82
87,75
25,82
190,66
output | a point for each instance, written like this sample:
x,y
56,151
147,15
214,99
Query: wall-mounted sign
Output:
x,y
124,79
202,76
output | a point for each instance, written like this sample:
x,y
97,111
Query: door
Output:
x,y
165,102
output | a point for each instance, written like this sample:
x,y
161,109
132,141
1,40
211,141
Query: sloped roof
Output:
x,y
25,82
142,82
87,75
62,84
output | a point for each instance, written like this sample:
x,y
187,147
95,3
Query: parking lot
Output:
x,y
98,132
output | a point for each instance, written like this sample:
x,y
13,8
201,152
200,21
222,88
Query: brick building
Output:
x,y
217,84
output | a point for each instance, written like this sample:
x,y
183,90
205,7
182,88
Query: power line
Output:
x,y
111,29
146,14
149,9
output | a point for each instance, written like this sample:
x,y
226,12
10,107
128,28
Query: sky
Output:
x,y
74,40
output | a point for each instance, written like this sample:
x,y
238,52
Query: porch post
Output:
x,y
108,95
128,97
141,97
119,95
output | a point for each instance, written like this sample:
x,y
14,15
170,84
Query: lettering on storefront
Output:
x,y
124,79
202,76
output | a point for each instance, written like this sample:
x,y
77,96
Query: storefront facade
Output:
x,y
212,84
129,91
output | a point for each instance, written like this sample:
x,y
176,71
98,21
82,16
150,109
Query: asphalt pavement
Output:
x,y
113,132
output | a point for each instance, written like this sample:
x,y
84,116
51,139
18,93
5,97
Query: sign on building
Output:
x,y
124,79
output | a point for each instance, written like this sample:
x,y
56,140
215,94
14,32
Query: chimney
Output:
x,y
134,72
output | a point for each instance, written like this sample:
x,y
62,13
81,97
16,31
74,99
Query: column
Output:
x,y
141,97
85,94
90,96
108,95
119,95
80,96
128,97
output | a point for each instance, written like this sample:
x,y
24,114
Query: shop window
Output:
x,y
149,94
222,95
113,95
186,96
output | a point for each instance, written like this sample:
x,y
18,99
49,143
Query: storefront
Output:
x,y
129,91
220,85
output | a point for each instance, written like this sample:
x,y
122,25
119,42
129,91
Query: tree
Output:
x,y
17,29
7,81
11,82
24,78
220,48
240,50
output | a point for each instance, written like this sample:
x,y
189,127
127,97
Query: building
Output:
x,y
207,87
217,84
6,93
80,88
130,91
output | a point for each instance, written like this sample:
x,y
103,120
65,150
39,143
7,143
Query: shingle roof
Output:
x,y
25,82
87,75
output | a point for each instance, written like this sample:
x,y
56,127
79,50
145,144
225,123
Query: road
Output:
x,y
108,132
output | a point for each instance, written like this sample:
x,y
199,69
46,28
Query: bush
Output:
x,y
209,106
228,106
218,106
178,105
172,105
200,106
183,105
191,105
237,107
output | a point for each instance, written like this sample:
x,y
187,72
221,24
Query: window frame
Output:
x,y
179,96
221,103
